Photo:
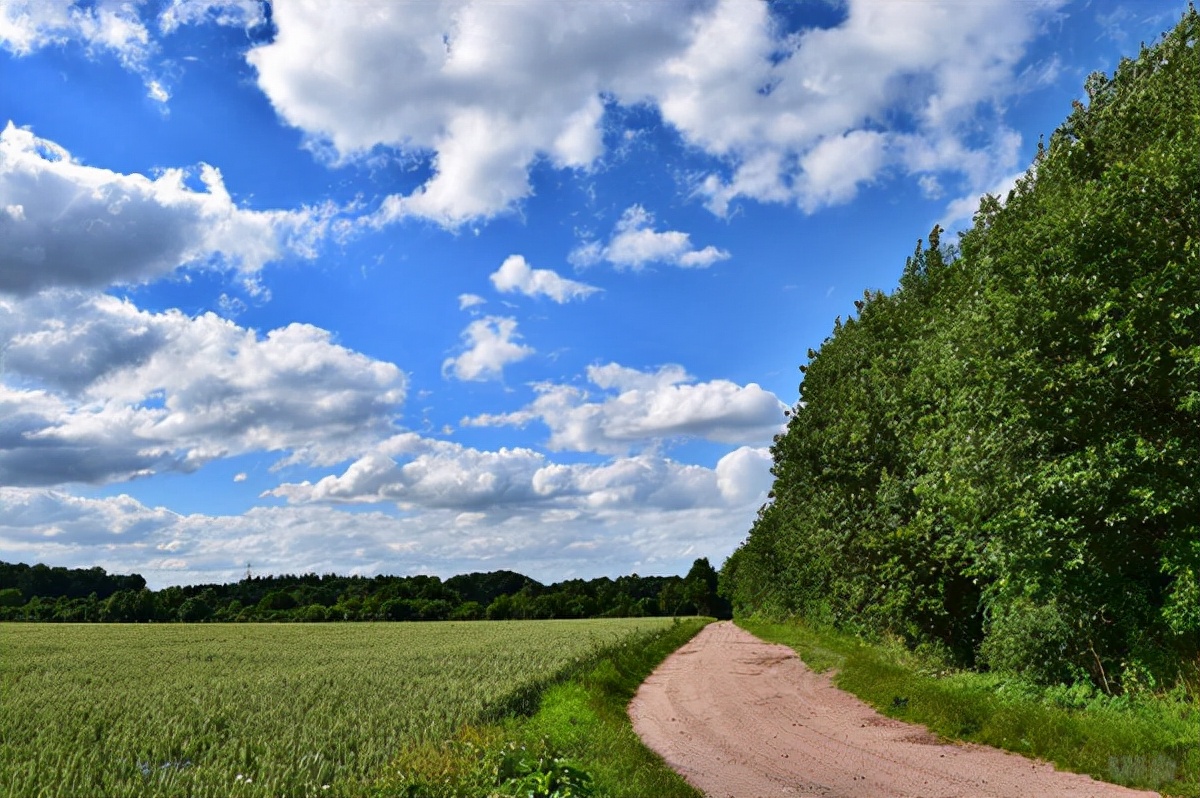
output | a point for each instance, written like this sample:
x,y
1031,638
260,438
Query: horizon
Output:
x,y
466,287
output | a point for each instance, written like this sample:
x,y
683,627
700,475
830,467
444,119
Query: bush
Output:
x,y
1033,641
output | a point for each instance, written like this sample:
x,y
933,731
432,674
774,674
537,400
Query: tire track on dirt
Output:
x,y
740,718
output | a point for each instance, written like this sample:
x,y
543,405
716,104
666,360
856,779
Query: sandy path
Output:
x,y
741,718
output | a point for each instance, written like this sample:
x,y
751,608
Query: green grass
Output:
x,y
250,710
1147,741
579,740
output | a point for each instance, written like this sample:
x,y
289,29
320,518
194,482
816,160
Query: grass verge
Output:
x,y
578,741
1146,741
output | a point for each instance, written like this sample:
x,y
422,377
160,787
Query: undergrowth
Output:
x,y
1140,739
577,744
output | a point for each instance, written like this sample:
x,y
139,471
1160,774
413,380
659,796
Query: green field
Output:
x,y
251,709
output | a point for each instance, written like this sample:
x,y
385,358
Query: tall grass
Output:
x,y
257,710
1139,740
579,741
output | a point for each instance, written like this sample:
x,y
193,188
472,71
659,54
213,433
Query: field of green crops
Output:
x,y
258,710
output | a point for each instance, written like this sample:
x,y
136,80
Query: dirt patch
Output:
x,y
740,718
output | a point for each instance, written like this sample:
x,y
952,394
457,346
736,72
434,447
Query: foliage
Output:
x,y
999,457
54,594
1140,740
245,710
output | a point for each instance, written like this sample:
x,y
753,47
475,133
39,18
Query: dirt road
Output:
x,y
740,718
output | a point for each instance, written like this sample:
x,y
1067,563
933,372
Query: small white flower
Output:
x,y
239,777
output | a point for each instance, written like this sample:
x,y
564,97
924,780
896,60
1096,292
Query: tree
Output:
x,y
999,457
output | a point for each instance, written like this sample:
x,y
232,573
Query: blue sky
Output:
x,y
382,286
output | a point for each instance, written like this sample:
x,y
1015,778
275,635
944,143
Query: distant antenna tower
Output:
x,y
249,575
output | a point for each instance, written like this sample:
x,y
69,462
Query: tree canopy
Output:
x,y
1000,457
41,593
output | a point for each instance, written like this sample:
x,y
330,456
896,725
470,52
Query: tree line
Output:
x,y
42,593
1000,458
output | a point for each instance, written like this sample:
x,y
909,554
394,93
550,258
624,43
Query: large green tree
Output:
x,y
1001,455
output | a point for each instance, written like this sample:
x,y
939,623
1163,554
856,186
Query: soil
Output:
x,y
740,718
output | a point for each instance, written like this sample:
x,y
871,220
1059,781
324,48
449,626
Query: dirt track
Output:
x,y
740,718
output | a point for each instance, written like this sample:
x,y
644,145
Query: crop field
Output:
x,y
257,710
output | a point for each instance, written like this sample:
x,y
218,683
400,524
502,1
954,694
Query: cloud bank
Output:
x,y
487,91
96,390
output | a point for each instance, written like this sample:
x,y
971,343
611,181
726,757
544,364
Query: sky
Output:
x,y
399,286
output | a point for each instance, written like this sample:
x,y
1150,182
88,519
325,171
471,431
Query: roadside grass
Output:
x,y
578,742
1149,741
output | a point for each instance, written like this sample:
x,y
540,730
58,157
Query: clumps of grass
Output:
x,y
484,761
1140,739
578,742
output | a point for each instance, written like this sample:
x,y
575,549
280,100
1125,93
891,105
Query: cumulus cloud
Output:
x,y
96,390
420,473
66,224
612,526
635,242
486,90
516,276
490,345
839,106
637,408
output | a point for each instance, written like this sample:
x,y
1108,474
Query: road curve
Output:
x,y
740,718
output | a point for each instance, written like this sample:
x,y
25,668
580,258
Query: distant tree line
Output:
x,y
42,593
1001,458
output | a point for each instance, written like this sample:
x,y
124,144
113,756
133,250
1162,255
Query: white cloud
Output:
x,y
468,301
113,25
847,102
433,474
106,26
639,408
515,275
67,224
117,28
618,530
420,474
635,243
235,13
96,390
486,90
490,346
